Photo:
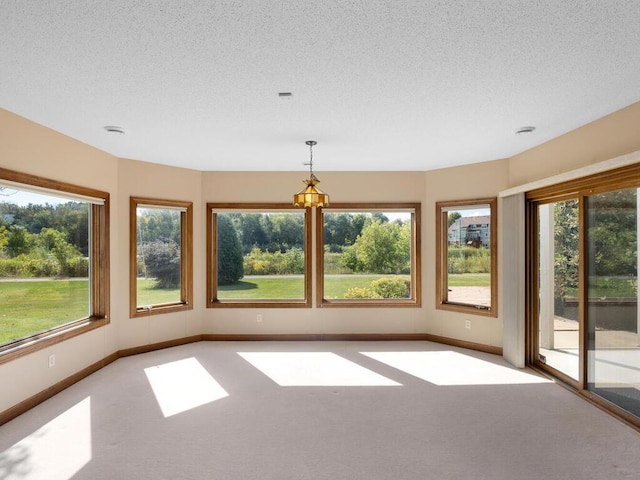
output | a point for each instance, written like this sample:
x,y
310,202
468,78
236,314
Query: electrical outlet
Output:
x,y
259,318
52,360
467,324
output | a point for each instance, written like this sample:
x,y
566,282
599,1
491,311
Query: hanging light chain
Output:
x,y
311,143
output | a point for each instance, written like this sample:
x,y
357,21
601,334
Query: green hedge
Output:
x,y
385,287
258,262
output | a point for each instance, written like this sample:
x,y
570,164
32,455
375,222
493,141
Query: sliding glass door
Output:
x,y
558,323
612,308
582,295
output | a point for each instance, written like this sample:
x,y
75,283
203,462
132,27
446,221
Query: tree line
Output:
x,y
250,243
44,240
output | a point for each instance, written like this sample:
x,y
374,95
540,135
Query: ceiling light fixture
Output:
x,y
311,196
522,130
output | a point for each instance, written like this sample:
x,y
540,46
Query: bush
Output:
x,y
27,266
392,287
258,262
162,260
357,292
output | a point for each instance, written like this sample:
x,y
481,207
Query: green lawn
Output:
x,y
251,288
288,287
149,295
335,286
28,307
469,280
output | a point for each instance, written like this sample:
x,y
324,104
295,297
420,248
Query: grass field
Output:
x,y
469,280
34,306
149,295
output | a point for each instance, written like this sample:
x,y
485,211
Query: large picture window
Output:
x,y
257,255
466,279
54,264
161,256
368,254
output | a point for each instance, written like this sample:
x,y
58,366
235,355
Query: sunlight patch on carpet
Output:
x,y
452,368
56,451
298,369
182,385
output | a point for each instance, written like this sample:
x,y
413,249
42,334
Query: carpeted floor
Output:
x,y
317,410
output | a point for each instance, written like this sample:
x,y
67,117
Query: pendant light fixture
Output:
x,y
311,196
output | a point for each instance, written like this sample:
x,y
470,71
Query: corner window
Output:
x,y
368,254
161,256
257,255
54,264
466,279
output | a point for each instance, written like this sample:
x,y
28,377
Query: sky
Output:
x,y
22,198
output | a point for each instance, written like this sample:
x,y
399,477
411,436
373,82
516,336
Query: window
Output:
x,y
466,273
54,263
257,255
161,256
368,254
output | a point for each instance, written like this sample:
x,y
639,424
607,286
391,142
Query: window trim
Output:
x,y
212,266
186,257
98,270
416,256
442,261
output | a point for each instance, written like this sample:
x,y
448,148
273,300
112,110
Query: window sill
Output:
x,y
32,344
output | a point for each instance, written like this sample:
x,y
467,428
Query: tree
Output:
x,y
162,260
69,257
230,259
452,217
565,247
381,248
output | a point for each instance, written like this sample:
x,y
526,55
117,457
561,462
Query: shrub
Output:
x,y
392,287
162,260
258,262
357,292
29,266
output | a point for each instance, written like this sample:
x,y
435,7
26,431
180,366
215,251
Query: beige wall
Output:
x,y
609,137
342,187
459,183
141,179
31,148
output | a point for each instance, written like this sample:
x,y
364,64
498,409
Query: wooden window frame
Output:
x,y
415,300
442,275
186,257
212,265
98,267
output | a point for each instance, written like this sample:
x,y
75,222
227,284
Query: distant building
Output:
x,y
470,230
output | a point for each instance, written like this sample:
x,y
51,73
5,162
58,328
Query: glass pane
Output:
x,y
469,256
261,256
612,312
558,286
44,263
159,256
367,255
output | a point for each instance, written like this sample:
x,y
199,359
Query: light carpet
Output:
x,y
317,410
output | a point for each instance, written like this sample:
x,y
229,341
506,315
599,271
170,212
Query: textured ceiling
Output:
x,y
381,85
